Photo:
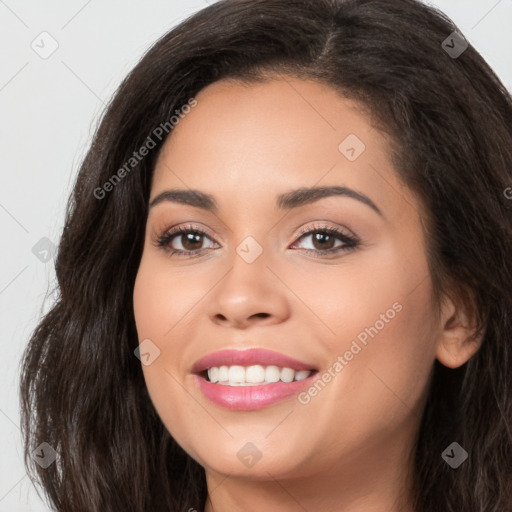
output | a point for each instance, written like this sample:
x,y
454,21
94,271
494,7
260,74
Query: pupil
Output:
x,y
318,238
189,238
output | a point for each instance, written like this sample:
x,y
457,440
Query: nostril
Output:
x,y
261,315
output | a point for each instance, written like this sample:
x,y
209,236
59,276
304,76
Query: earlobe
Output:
x,y
458,340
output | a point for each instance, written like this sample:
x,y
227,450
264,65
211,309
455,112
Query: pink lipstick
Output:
x,y
252,378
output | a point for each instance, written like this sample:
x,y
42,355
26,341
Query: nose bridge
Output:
x,y
250,250
249,270
252,240
249,230
248,290
256,247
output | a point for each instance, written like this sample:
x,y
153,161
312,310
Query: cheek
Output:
x,y
382,325
163,298
387,357
161,301
183,417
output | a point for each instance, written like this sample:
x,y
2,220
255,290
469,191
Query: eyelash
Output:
x,y
350,242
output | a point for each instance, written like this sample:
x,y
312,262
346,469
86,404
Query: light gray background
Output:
x,y
49,109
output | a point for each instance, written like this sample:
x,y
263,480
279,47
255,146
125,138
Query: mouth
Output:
x,y
252,378
253,375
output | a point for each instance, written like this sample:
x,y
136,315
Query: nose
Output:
x,y
249,294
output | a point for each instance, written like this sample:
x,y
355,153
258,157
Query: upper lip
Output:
x,y
248,357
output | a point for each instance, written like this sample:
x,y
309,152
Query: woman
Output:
x,y
202,357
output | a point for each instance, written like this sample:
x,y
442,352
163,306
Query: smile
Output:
x,y
252,378
256,374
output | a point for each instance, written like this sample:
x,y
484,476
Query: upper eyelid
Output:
x,y
310,229
318,226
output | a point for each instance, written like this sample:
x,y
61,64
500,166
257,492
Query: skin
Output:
x,y
348,449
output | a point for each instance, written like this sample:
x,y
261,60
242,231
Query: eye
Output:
x,y
324,237
189,237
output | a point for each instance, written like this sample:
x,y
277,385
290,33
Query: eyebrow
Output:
x,y
292,199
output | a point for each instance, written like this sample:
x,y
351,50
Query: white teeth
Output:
x,y
255,374
272,374
223,373
213,374
303,374
287,375
237,375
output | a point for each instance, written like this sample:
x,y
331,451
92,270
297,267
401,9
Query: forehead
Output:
x,y
284,118
242,140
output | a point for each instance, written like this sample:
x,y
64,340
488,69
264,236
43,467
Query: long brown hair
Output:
x,y
450,117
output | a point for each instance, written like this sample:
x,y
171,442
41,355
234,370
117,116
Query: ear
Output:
x,y
459,339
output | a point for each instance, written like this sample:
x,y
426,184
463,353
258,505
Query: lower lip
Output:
x,y
247,398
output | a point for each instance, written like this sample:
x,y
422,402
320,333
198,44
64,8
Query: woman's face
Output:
x,y
355,306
